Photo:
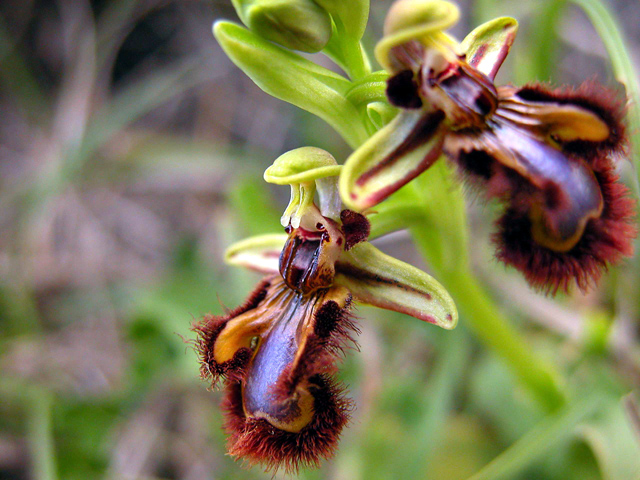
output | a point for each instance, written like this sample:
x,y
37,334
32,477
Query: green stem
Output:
x,y
349,55
493,329
40,435
441,236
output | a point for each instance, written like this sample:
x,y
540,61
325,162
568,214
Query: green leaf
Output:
x,y
551,432
289,77
40,437
616,447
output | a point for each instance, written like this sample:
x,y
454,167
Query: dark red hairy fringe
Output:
x,y
485,177
605,241
209,328
257,441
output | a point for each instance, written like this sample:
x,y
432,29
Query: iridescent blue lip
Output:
x,y
578,193
274,354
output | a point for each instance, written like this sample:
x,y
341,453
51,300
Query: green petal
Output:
x,y
488,45
385,282
260,253
395,155
289,77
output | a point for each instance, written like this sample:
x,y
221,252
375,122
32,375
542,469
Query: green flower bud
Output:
x,y
295,24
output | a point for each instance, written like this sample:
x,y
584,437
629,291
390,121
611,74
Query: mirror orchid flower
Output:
x,y
548,154
276,353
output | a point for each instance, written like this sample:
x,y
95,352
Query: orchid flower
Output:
x,y
548,154
276,353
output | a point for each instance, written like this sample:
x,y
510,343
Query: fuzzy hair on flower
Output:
x,y
276,354
548,154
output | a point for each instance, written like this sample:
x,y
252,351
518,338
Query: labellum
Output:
x,y
548,154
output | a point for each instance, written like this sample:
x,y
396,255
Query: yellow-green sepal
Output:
x,y
377,279
260,253
302,165
395,155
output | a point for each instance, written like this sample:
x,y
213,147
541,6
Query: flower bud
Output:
x,y
295,24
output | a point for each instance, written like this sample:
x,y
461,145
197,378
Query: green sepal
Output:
x,y
260,253
377,279
487,46
391,158
302,165
289,77
307,169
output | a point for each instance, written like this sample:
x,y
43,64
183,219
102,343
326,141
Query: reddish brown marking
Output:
x,y
355,228
478,55
428,160
371,278
402,90
424,130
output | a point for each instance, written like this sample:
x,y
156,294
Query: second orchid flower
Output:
x,y
549,155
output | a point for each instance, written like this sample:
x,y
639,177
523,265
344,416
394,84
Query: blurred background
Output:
x,y
131,156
